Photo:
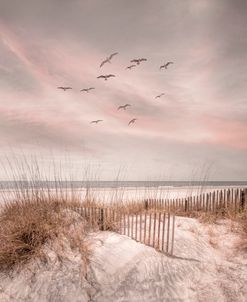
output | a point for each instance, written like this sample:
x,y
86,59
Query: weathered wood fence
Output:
x,y
216,201
155,229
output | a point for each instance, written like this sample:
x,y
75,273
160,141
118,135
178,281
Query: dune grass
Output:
x,y
27,225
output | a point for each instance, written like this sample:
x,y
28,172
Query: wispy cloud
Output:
x,y
43,46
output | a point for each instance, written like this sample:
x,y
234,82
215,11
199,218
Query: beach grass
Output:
x,y
27,225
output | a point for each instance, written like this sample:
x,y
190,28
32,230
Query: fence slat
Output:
x,y
140,231
154,230
149,230
145,227
163,232
173,233
168,233
159,231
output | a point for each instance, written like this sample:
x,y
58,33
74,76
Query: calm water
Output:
x,y
116,184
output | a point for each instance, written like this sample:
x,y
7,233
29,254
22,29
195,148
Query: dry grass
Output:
x,y
25,226
242,220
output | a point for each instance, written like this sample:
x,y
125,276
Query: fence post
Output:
x,y
145,228
120,222
128,224
154,230
101,219
132,226
140,227
207,197
186,205
146,204
163,232
173,233
136,216
159,231
242,199
149,230
168,233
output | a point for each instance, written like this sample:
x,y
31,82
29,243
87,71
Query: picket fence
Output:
x,y
155,229
234,199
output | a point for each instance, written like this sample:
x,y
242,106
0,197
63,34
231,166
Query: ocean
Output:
x,y
109,191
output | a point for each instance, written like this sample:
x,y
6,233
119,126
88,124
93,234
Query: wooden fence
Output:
x,y
216,201
155,229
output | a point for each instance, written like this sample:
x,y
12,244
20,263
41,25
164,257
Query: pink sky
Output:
x,y
203,103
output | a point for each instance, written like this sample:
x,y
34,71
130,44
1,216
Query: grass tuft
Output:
x,y
25,226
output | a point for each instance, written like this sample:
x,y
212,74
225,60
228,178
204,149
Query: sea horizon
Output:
x,y
116,183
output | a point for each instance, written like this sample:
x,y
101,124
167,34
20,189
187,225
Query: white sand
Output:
x,y
199,271
206,267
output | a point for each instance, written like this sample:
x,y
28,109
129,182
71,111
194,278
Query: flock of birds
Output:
x,y
135,62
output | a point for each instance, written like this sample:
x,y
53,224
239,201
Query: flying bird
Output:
x,y
132,121
96,121
108,59
64,88
87,89
130,67
138,61
166,65
124,106
159,96
106,77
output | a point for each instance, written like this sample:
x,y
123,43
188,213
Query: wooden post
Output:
x,y
145,228
154,232
159,231
213,202
168,233
217,200
136,227
101,219
228,199
235,200
146,204
95,216
173,233
124,224
186,205
140,227
224,198
207,202
128,224
242,199
163,232
149,232
120,222
220,199
203,202
132,226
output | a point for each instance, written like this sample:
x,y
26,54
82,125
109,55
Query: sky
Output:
x,y
200,124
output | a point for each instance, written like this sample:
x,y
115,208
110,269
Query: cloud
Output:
x,y
45,44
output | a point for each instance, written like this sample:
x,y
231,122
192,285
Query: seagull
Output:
x,y
96,121
106,77
138,61
166,65
64,88
108,59
124,106
130,67
132,121
87,89
159,96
